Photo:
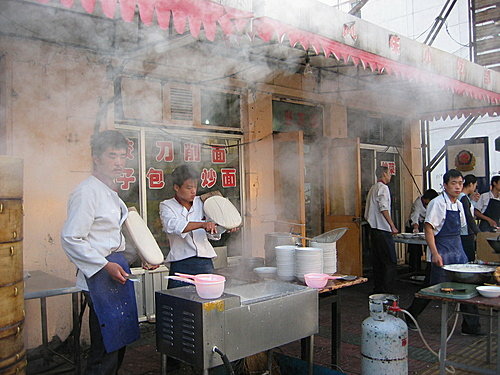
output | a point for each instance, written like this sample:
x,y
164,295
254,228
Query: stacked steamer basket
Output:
x,y
285,262
308,260
12,353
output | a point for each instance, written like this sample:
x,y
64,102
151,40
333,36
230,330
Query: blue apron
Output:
x,y
449,246
115,306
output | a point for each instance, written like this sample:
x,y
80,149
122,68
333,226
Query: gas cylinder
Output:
x,y
384,339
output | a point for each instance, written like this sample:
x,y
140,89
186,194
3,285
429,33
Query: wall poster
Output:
x,y
470,156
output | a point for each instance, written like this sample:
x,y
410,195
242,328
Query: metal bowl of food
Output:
x,y
470,273
494,243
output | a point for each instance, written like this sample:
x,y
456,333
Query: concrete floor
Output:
x,y
142,359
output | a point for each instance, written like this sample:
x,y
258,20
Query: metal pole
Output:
x,y
43,311
438,23
444,333
76,333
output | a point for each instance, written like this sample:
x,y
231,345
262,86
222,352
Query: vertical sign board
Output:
x,y
470,156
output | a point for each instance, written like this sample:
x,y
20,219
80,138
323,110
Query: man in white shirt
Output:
x,y
415,224
443,222
92,239
488,207
377,213
184,222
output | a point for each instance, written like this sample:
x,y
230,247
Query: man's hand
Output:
x,y
437,260
492,222
415,228
475,196
116,272
394,230
210,227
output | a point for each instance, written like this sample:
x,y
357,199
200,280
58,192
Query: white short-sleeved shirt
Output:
x,y
436,211
92,230
483,201
175,217
417,212
378,200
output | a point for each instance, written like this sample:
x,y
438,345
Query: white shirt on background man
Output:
x,y
378,200
92,230
483,201
175,217
417,212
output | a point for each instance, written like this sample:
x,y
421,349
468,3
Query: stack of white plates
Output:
x,y
285,262
308,260
329,255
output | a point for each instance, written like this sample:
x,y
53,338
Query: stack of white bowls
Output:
x,y
308,260
285,262
329,255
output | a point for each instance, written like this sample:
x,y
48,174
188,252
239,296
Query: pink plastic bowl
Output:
x,y
316,280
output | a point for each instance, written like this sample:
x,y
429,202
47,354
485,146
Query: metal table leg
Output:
x,y
163,369
498,341
76,333
45,341
307,352
335,331
444,334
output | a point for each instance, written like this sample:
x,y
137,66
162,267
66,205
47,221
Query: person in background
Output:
x,y
383,251
443,222
415,224
93,241
488,207
188,232
468,233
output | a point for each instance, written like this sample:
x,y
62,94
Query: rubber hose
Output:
x,y
227,364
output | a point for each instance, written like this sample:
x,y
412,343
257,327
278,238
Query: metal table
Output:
x,y
410,241
493,304
40,285
329,295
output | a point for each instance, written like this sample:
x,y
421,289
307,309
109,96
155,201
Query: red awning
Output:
x,y
235,21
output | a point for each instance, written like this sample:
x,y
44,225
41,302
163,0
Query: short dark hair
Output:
x,y
105,139
494,179
452,173
430,194
469,180
380,170
183,173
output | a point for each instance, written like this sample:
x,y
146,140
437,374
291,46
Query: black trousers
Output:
x,y
383,256
469,245
99,361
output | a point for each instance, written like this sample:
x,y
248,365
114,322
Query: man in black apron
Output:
x,y
443,221
92,239
488,207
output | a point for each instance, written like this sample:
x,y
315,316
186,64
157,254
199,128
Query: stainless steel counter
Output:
x,y
40,285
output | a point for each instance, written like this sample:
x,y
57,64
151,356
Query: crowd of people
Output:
x,y
448,220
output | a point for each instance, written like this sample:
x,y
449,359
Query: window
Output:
x,y
220,109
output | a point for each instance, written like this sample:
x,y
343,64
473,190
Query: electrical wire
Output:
x,y
451,37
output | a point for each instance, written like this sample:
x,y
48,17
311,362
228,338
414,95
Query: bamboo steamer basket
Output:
x,y
11,220
14,365
12,353
11,304
11,341
11,261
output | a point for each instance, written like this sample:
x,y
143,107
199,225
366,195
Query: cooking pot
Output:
x,y
208,286
470,273
494,243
